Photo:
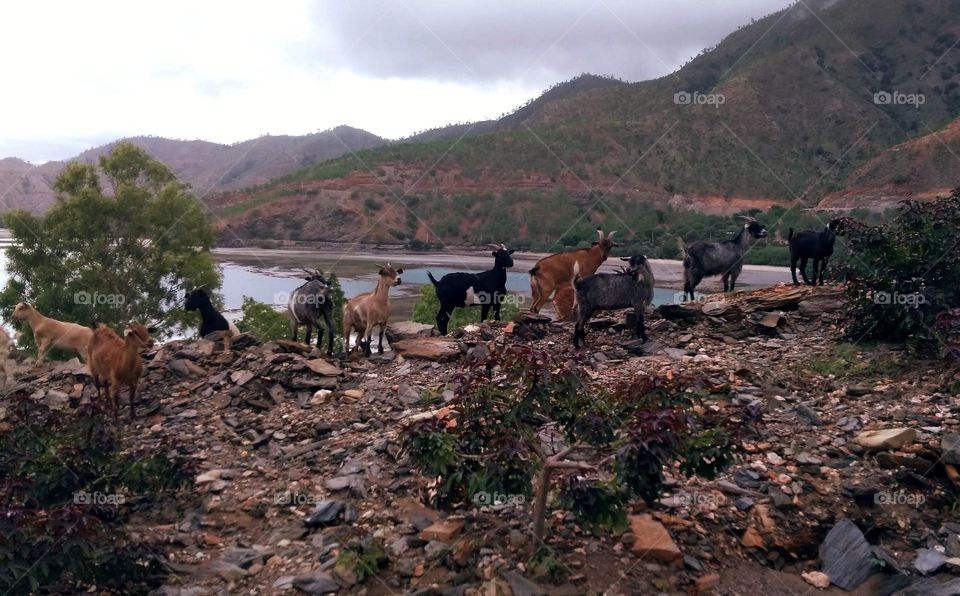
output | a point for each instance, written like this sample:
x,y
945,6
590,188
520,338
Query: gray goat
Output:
x,y
611,291
703,259
307,304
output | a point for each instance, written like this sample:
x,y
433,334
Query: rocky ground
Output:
x,y
302,483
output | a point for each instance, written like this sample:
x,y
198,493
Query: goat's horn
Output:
x,y
746,218
610,235
600,233
503,246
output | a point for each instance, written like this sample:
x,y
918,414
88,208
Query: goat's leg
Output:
x,y
443,318
328,321
380,345
367,341
309,332
42,348
497,300
484,311
641,326
293,329
793,270
726,282
803,270
733,280
539,296
823,267
133,395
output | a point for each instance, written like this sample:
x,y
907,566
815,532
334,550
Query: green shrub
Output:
x,y
68,486
425,310
263,321
902,275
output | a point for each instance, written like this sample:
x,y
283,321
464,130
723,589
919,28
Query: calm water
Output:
x,y
270,275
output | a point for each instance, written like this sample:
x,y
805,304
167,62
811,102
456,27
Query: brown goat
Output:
x,y
364,312
51,333
115,362
554,274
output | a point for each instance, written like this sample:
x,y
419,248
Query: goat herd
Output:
x,y
570,278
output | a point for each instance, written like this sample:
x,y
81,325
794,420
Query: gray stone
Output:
x,y
929,561
931,587
950,447
845,555
228,571
324,513
241,557
521,586
185,368
315,582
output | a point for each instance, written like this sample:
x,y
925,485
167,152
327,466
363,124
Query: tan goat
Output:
x,y
116,363
554,274
51,333
364,312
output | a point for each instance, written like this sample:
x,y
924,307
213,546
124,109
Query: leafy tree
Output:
x,y
110,255
262,320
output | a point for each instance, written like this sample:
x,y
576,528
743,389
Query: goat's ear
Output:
x,y
594,243
510,252
494,253
381,272
627,259
399,271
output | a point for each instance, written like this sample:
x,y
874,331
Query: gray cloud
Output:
x,y
541,41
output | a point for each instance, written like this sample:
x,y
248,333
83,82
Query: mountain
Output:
x,y
782,109
923,168
205,166
563,90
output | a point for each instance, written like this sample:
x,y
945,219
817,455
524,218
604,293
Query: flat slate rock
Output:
x,y
428,348
316,582
931,587
845,555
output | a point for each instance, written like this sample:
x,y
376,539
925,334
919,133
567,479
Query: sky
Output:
x,y
82,74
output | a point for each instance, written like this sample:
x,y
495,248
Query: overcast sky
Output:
x,y
79,74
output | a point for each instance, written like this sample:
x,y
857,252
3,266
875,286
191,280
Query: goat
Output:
x,y
459,290
308,304
51,333
610,291
554,274
704,259
812,245
211,321
116,363
364,312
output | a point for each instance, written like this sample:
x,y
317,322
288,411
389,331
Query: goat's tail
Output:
x,y
432,279
790,235
576,272
533,272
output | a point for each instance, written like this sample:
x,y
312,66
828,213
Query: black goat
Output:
x,y
703,259
809,244
211,321
308,304
458,290
611,291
